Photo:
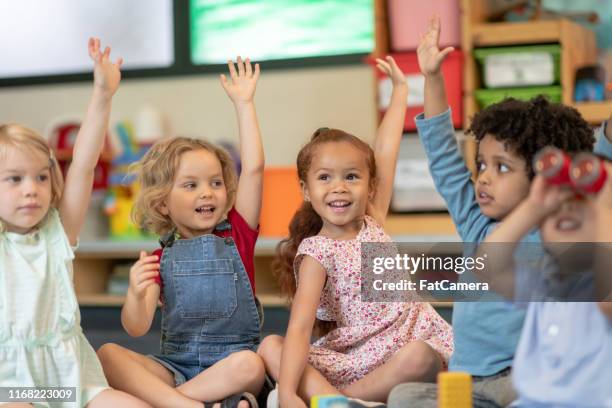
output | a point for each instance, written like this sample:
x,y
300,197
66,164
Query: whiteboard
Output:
x,y
43,38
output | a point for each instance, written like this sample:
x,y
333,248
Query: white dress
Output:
x,y
41,340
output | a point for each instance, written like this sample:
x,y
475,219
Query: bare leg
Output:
x,y
239,372
142,377
416,361
312,382
114,398
19,405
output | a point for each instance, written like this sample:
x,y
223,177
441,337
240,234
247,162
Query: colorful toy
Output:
x,y
61,138
123,188
585,173
554,164
588,173
454,390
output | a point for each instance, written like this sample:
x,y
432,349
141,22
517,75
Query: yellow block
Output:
x,y
454,390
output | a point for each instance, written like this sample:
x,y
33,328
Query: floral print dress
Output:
x,y
367,333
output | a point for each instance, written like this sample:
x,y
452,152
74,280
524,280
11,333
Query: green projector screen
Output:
x,y
279,29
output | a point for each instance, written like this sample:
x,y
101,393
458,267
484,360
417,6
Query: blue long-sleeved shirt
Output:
x,y
486,333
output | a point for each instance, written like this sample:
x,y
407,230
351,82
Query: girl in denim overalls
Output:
x,y
204,273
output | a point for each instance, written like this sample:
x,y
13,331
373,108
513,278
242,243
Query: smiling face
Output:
x,y
502,181
198,197
25,188
338,186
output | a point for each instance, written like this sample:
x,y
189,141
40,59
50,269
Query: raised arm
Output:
x,y
141,299
241,90
388,137
542,201
430,61
447,167
89,141
311,279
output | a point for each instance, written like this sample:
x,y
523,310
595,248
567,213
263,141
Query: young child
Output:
x,y
41,340
205,272
347,188
564,353
508,134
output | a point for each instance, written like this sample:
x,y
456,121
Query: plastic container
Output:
x,y
452,69
486,97
408,19
530,65
282,197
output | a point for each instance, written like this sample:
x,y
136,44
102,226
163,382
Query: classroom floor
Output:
x,y
103,325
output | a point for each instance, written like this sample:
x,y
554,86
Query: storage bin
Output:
x,y
408,19
452,68
282,197
486,97
532,65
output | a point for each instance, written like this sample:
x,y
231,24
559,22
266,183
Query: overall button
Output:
x,y
229,241
553,330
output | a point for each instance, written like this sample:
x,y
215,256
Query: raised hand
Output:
x,y
107,74
142,274
429,54
241,85
389,67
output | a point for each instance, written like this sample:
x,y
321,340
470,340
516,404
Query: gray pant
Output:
x,y
493,391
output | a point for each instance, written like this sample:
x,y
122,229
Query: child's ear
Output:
x,y
163,209
304,189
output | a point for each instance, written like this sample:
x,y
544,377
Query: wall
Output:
x,y
291,104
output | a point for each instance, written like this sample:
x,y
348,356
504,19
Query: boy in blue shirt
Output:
x,y
508,135
564,353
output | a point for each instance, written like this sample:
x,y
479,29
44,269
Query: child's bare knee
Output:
x,y
107,352
270,347
248,366
418,361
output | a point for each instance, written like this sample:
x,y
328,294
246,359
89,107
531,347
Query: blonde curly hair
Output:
x,y
156,172
15,136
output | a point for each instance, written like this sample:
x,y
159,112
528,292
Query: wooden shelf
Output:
x,y
403,228
594,112
100,299
532,32
578,49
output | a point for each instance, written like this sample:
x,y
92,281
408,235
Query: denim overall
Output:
x,y
209,310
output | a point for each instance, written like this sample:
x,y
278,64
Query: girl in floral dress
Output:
x,y
367,347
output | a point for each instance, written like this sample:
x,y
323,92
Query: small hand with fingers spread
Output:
x,y
107,74
143,274
241,85
429,54
389,67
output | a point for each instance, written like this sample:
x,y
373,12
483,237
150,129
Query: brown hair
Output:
x,y
306,222
21,137
156,172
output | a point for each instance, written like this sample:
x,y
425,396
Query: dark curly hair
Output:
x,y
524,127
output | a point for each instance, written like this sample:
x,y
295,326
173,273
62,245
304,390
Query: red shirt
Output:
x,y
244,237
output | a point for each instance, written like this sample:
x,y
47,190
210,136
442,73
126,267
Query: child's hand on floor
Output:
x,y
545,198
107,74
389,67
241,87
429,54
143,274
